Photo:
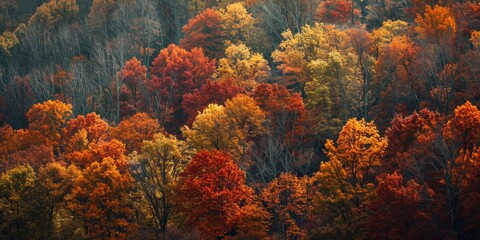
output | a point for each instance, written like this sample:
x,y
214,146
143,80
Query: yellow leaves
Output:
x,y
7,41
54,13
344,183
295,52
230,127
166,155
243,67
359,148
390,29
436,24
209,129
237,22
15,185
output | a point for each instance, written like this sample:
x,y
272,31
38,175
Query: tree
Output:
x,y
134,130
230,128
464,128
157,171
53,185
84,130
288,200
174,73
16,186
345,182
204,31
333,211
132,76
101,199
211,190
336,11
96,152
210,92
242,67
7,41
54,13
409,139
320,62
436,25
399,79
48,119
359,148
285,111
399,209
384,35
238,24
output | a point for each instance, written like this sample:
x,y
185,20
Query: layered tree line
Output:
x,y
256,119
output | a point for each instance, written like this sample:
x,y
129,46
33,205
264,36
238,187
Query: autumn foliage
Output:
x,y
257,119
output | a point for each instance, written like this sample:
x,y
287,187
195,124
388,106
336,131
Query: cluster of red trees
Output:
x,y
351,120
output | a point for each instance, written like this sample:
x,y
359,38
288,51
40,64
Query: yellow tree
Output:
x,y
16,186
231,128
53,13
246,69
345,182
238,24
384,35
332,207
7,41
53,185
359,148
156,170
321,61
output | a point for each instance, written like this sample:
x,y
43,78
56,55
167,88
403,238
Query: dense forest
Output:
x,y
256,119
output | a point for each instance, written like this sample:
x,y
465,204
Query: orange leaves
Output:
x,y
464,128
178,70
211,190
134,130
287,198
132,77
133,72
95,128
48,119
100,197
436,24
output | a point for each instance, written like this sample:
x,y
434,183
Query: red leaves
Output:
x,y
174,73
336,11
204,31
211,189
132,77
400,211
284,109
